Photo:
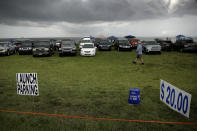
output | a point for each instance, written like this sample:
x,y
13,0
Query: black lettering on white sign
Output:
x,y
27,84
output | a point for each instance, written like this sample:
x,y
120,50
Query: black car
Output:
x,y
42,48
67,47
122,44
25,48
97,41
166,45
185,44
104,45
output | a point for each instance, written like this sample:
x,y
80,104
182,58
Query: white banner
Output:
x,y
27,84
175,98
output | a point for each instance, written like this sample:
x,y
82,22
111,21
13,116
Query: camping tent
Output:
x,y
112,38
130,36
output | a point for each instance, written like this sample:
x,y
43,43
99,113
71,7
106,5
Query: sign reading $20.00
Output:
x,y
175,98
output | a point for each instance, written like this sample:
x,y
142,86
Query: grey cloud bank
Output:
x,y
89,14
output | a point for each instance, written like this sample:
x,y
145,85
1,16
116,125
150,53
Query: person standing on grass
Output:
x,y
139,53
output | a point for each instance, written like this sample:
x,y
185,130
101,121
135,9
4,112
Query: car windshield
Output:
x,y
151,43
86,41
124,42
105,43
67,43
26,44
88,46
134,40
98,40
168,42
42,44
3,44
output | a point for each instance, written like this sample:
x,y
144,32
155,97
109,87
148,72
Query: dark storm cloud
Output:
x,y
186,7
81,11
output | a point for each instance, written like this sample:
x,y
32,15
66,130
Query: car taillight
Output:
x,y
60,45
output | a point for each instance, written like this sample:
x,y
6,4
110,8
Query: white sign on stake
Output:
x,y
27,84
175,98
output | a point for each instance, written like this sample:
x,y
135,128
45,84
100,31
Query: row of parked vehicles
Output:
x,y
89,46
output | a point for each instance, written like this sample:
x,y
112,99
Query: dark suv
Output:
x,y
122,44
25,48
104,45
185,44
67,47
166,45
41,48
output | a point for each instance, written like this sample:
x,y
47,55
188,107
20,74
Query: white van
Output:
x,y
85,40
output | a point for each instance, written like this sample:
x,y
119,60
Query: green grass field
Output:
x,y
96,87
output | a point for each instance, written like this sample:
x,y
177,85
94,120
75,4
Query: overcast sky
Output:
x,y
64,18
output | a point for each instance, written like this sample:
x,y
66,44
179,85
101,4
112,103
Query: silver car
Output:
x,y
7,48
151,47
67,47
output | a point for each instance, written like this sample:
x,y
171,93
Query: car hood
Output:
x,y
149,46
68,47
104,45
40,47
2,47
85,43
87,49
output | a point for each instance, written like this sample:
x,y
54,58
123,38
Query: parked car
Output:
x,y
41,48
67,47
122,44
151,47
18,42
104,45
97,41
25,48
85,41
133,42
185,44
166,45
6,48
88,49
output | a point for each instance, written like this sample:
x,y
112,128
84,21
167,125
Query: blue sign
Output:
x,y
134,96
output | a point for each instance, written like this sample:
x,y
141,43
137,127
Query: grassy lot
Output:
x,y
96,87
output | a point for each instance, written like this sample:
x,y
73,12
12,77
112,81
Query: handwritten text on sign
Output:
x,y
27,84
175,98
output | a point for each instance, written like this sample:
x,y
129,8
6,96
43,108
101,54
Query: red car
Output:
x,y
133,42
